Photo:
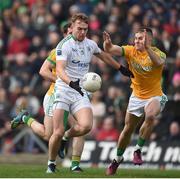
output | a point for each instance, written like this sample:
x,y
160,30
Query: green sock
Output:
x,y
141,142
75,161
120,152
28,120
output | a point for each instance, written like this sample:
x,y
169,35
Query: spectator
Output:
x,y
176,80
174,132
19,43
108,132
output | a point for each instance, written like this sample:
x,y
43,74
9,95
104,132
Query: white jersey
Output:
x,y
78,56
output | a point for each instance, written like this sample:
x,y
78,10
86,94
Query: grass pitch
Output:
x,y
38,171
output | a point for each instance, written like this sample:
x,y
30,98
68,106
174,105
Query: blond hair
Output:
x,y
81,17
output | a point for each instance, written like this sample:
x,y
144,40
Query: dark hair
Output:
x,y
80,16
147,29
65,27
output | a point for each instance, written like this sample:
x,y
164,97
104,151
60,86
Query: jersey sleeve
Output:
x,y
96,49
161,54
126,50
52,57
62,52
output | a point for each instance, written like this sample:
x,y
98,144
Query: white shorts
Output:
x,y
136,105
48,104
70,100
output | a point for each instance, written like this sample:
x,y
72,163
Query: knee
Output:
x,y
86,129
58,133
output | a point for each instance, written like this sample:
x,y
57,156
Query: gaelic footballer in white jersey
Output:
x,y
78,55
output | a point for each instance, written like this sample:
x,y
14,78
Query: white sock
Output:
x,y
51,161
137,147
65,138
119,158
23,118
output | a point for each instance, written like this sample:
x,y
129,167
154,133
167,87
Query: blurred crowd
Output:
x,y
29,29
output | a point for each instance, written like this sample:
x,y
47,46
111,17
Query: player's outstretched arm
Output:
x,y
109,47
46,71
105,57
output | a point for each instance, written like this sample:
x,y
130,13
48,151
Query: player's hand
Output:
x,y
107,41
126,72
147,42
75,85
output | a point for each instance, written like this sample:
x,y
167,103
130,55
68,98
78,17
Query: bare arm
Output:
x,y
46,71
109,47
157,60
154,57
105,57
60,71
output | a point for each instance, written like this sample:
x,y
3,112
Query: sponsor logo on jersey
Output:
x,y
80,64
75,61
83,65
141,68
74,50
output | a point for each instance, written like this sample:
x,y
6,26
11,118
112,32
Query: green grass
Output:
x,y
38,171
